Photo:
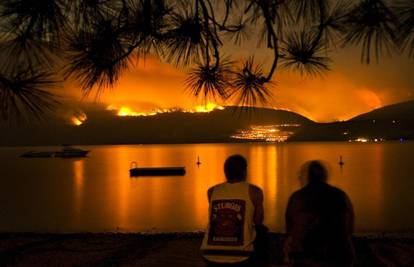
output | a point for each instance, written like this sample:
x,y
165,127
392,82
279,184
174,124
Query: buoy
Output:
x,y
198,161
341,162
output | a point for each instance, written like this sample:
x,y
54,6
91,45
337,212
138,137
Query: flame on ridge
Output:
x,y
125,111
78,119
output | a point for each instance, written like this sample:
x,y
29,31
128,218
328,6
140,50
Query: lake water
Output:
x,y
96,193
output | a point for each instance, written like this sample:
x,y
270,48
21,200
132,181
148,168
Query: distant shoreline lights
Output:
x,y
266,133
367,139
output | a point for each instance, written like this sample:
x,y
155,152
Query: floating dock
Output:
x,y
158,171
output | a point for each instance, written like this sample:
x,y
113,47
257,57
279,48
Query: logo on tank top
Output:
x,y
227,222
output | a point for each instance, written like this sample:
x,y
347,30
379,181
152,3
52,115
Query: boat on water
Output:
x,y
65,152
134,171
38,154
71,152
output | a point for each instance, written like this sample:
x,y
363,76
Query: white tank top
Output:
x,y
230,232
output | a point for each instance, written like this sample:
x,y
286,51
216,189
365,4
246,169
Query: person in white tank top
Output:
x,y
235,210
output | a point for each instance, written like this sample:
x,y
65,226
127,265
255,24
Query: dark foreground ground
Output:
x,y
116,249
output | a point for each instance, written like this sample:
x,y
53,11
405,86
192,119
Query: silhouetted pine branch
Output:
x,y
24,94
210,81
96,40
42,19
250,86
300,54
96,56
405,13
371,24
185,43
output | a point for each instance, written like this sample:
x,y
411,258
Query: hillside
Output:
x,y
393,122
399,111
172,127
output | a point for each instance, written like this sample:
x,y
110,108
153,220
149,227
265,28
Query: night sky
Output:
x,y
350,88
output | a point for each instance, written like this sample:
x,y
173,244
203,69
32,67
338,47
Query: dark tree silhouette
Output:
x,y
94,41
405,12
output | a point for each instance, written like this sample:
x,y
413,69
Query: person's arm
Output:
x,y
289,216
295,227
349,229
209,193
349,216
289,219
256,195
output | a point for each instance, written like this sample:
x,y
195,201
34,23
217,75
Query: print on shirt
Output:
x,y
227,222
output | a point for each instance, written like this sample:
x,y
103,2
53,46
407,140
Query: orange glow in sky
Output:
x,y
150,87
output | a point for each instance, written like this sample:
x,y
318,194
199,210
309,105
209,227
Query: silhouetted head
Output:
x,y
314,172
235,168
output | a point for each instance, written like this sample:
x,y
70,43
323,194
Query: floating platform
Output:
x,y
158,171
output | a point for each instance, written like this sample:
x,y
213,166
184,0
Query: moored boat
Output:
x,y
38,154
71,152
66,152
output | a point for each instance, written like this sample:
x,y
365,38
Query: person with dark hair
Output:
x,y
235,219
319,222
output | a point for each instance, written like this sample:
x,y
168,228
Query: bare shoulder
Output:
x,y
210,192
256,192
255,189
211,189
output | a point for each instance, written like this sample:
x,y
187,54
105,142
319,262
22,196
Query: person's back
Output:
x,y
231,225
235,208
319,219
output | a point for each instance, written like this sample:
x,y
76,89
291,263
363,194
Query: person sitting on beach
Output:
x,y
235,218
319,222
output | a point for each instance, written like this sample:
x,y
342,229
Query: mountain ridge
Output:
x,y
169,127
393,122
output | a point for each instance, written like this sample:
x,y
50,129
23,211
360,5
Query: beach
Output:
x,y
167,249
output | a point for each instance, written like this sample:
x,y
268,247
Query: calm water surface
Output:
x,y
96,193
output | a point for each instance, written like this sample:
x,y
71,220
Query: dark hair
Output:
x,y
235,167
317,172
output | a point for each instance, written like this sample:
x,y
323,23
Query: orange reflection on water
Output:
x,y
377,194
207,174
78,171
366,192
96,194
179,203
122,158
263,169
256,165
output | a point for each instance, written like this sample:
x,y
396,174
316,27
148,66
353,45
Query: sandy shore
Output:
x,y
175,249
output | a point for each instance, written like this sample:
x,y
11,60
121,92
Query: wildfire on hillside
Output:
x,y
126,111
78,119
